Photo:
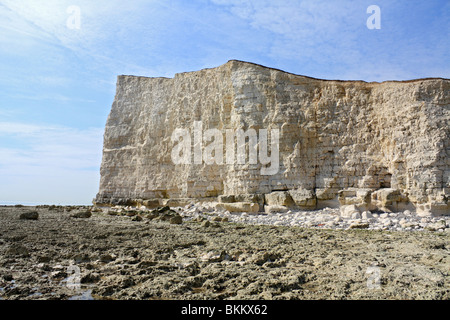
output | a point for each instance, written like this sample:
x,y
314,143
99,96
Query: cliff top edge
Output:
x,y
290,73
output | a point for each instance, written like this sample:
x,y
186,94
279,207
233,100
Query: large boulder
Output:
x,y
390,200
361,198
348,211
279,198
304,199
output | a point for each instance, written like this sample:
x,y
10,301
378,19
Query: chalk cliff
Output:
x,y
377,146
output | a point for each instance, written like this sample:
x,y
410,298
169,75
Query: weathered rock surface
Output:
x,y
29,215
117,258
390,140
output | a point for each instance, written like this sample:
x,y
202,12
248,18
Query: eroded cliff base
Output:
x,y
349,201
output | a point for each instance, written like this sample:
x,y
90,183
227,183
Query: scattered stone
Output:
x,y
348,210
106,258
131,213
366,215
137,218
215,256
279,198
436,226
18,250
206,224
151,204
81,215
163,209
424,220
176,220
91,277
275,209
200,219
226,199
303,198
239,207
151,216
8,277
330,224
81,258
356,215
44,259
31,215
262,257
359,225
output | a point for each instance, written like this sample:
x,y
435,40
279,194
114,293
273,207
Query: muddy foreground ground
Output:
x,y
62,257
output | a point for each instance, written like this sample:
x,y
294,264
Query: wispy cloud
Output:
x,y
101,26
54,146
329,39
50,97
32,156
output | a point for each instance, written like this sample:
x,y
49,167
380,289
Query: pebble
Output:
x,y
205,224
359,225
366,215
18,250
176,220
81,215
356,215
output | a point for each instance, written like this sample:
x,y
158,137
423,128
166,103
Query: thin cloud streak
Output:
x,y
49,162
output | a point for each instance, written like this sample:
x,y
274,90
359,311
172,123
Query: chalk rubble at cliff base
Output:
x,y
326,218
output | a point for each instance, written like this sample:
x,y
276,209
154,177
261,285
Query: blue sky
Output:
x,y
57,79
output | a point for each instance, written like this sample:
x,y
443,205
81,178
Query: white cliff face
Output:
x,y
333,136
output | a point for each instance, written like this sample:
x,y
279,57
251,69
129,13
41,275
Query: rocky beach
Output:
x,y
199,252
